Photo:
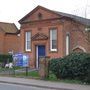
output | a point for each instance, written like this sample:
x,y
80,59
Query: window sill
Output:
x,y
27,51
53,51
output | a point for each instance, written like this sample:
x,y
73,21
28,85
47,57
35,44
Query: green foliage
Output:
x,y
55,66
33,74
5,58
73,66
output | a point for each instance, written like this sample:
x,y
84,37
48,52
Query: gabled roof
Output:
x,y
8,27
74,17
35,9
39,36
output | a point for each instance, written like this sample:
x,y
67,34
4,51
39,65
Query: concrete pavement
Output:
x,y
6,86
43,84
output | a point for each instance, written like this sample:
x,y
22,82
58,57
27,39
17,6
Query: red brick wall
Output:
x,y
1,41
45,15
12,42
76,30
9,42
77,33
45,29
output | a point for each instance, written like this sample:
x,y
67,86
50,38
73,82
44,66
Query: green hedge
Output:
x,y
5,58
54,66
73,66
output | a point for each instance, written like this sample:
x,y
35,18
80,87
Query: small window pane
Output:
x,y
28,45
53,40
54,34
54,44
28,36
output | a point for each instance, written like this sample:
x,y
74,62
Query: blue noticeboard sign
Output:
x,y
25,60
20,59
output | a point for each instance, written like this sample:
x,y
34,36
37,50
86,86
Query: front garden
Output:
x,y
75,66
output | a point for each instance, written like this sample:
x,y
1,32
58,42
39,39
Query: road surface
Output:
x,y
5,86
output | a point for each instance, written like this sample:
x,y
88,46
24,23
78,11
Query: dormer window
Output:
x,y
39,16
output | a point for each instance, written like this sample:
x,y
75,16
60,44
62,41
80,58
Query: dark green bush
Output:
x,y
5,58
55,66
73,66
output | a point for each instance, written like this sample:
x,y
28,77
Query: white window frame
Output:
x,y
51,49
87,29
26,40
67,43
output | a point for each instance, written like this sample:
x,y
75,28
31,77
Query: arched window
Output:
x,y
67,43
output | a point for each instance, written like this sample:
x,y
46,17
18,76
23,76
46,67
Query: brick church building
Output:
x,y
46,32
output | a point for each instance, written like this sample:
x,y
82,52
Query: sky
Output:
x,y
13,10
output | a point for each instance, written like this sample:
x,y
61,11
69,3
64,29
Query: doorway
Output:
x,y
40,51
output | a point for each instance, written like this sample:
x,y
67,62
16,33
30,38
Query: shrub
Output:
x,y
54,66
5,58
73,66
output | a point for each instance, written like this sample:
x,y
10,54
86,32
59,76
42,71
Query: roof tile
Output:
x,y
8,27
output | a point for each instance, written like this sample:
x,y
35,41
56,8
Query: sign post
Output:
x,y
25,63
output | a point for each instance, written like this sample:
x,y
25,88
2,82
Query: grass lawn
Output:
x,y
12,72
15,68
52,77
33,74
5,69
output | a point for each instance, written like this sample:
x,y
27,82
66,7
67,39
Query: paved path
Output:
x,y
6,86
43,84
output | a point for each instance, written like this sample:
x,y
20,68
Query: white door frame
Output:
x,y
37,57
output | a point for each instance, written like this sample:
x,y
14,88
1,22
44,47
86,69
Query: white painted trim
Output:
x,y
87,29
37,57
51,41
67,43
82,48
26,41
53,49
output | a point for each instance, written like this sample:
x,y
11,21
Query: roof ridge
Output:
x,y
8,27
63,12
70,14
80,19
6,23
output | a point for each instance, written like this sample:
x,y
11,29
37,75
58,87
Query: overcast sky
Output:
x,y
14,10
